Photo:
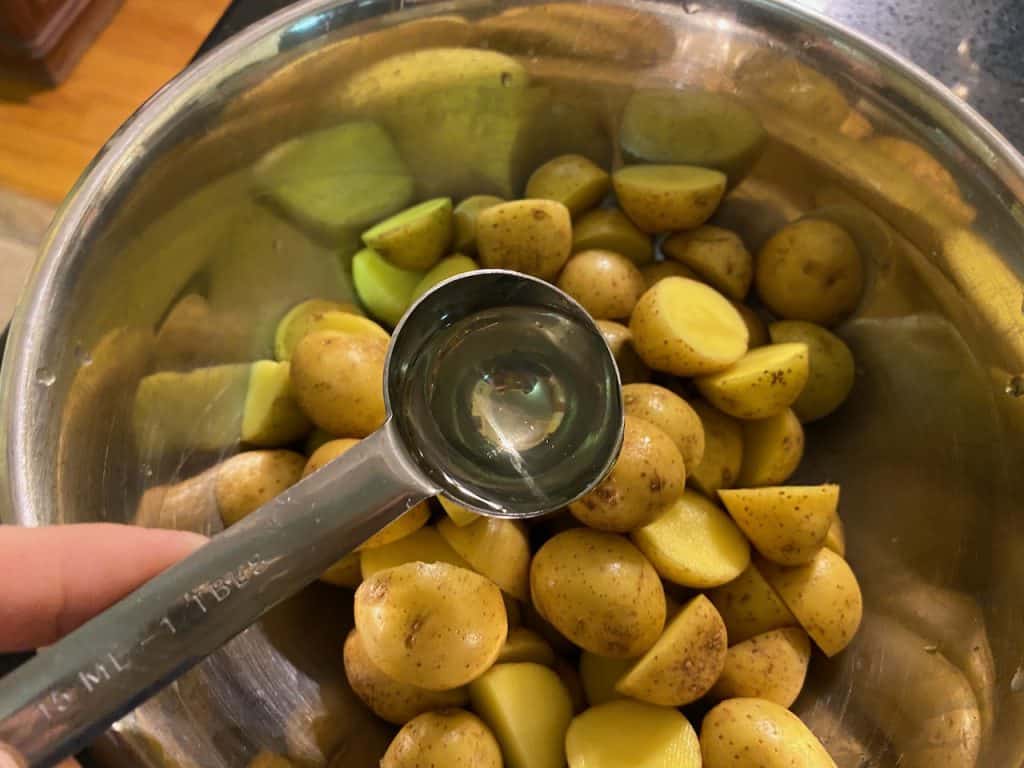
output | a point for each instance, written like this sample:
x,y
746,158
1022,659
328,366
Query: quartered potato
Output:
x,y
601,675
769,666
496,548
450,737
297,321
823,595
270,416
344,573
723,451
249,480
415,238
749,606
444,269
529,709
432,625
389,699
384,289
831,369
407,524
693,543
648,474
684,327
684,663
756,327
599,591
786,524
531,236
717,256
424,545
464,221
762,383
634,734
457,513
572,180
605,284
663,198
669,413
757,733
835,539
657,271
620,341
772,449
524,645
293,328
326,453
609,229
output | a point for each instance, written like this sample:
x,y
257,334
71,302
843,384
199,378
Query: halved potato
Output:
x,y
671,414
749,606
835,539
762,383
425,545
494,547
457,513
787,524
294,325
662,198
634,734
524,644
600,675
684,327
685,662
823,595
717,255
342,320
345,572
831,367
327,452
271,417
464,219
609,229
770,666
772,449
416,237
620,341
657,271
572,180
756,327
723,451
384,289
694,543
749,733
444,269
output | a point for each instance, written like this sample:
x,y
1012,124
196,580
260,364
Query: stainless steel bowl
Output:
x,y
928,450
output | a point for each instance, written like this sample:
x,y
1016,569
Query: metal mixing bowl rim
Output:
x,y
101,179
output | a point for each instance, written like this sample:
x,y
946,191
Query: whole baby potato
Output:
x,y
432,625
717,255
606,284
390,699
249,480
572,180
531,236
671,414
810,270
337,379
598,590
452,738
620,341
648,474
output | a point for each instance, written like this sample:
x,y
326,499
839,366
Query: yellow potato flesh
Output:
x,y
786,524
770,666
723,451
634,734
295,324
749,606
458,513
831,368
772,449
572,180
762,383
671,414
423,546
496,548
344,573
835,539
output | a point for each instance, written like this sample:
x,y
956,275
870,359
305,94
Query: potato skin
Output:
x,y
717,255
249,480
620,341
606,284
390,699
338,381
327,453
432,625
451,737
531,236
749,606
671,414
810,270
723,451
662,198
572,180
763,383
772,449
769,666
648,474
832,368
598,590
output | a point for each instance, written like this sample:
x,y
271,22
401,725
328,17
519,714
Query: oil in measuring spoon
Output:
x,y
511,402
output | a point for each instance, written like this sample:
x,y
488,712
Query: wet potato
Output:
x,y
669,413
605,284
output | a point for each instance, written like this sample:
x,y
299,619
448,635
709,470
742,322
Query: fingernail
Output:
x,y
9,758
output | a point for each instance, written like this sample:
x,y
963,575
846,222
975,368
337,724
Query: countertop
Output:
x,y
973,46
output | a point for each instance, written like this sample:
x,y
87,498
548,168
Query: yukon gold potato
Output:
x,y
271,417
919,162
717,255
457,513
337,379
684,327
770,666
327,452
425,545
693,543
634,734
416,237
531,236
749,606
772,449
249,480
835,539
803,91
297,322
606,284
762,383
345,572
830,364
823,595
343,321
661,198
389,699
384,289
451,737
444,269
620,341
600,675
464,221
648,474
787,524
609,229
657,271
432,625
669,413
685,662
572,180
810,270
524,644
496,548
757,733
408,523
599,591
756,327
265,759
529,709
723,451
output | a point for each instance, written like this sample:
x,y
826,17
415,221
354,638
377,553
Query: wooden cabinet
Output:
x,y
42,39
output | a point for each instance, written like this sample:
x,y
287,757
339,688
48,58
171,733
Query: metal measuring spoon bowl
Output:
x,y
501,393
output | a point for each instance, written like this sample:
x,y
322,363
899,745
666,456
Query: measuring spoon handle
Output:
x,y
57,702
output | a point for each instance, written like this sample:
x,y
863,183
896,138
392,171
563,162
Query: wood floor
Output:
x,y
48,136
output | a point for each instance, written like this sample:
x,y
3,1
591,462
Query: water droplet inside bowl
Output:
x,y
1015,387
45,376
